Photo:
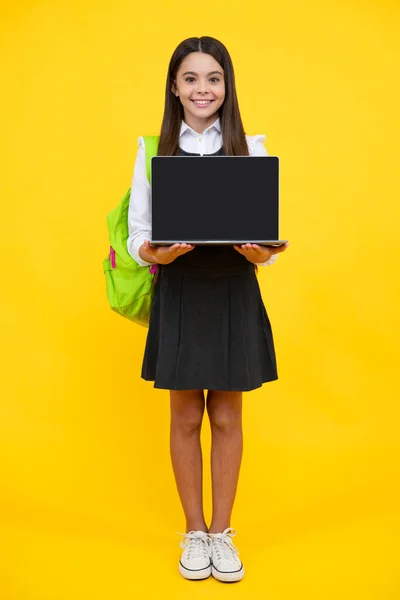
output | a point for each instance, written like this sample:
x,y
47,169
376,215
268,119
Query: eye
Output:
x,y
189,78
214,79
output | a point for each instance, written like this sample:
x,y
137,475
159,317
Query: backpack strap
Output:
x,y
151,147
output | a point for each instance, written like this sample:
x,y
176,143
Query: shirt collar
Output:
x,y
186,127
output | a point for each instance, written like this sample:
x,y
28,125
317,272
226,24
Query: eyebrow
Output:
x,y
193,73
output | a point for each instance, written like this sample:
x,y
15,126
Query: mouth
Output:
x,y
202,103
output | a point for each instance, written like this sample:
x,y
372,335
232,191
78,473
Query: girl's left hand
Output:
x,y
259,254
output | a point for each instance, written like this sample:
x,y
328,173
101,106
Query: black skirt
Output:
x,y
209,328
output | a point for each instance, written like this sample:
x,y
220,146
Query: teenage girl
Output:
x,y
209,329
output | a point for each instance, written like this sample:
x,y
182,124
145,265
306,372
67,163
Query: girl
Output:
x,y
209,329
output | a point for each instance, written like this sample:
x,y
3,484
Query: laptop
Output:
x,y
215,200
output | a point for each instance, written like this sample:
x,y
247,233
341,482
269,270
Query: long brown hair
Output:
x,y
233,135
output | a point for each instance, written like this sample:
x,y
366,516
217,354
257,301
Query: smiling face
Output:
x,y
200,86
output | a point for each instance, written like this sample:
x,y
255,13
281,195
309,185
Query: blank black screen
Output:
x,y
222,198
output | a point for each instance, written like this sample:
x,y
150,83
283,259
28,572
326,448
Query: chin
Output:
x,y
203,112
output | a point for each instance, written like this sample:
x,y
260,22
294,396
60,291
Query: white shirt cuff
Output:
x,y
269,261
133,249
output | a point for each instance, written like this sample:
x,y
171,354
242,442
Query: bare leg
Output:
x,y
187,410
225,412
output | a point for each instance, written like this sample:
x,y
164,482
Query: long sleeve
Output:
x,y
256,148
139,213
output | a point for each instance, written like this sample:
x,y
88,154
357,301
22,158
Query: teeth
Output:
x,y
202,101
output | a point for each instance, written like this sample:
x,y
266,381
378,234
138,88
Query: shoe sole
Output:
x,y
195,575
227,576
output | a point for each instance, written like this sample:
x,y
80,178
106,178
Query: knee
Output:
x,y
187,418
224,418
188,421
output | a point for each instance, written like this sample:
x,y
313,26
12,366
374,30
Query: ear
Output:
x,y
174,90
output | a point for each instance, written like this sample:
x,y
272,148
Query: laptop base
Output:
x,y
218,243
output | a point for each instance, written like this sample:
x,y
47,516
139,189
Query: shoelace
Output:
x,y
197,543
223,545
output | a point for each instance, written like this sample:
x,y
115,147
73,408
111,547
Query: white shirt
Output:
x,y
139,213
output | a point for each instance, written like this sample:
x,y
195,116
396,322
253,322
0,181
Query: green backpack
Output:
x,y
129,286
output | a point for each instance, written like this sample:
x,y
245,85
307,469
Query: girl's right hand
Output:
x,y
163,255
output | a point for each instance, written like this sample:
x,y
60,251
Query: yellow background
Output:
x,y
89,507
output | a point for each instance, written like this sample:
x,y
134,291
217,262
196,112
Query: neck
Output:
x,y
199,125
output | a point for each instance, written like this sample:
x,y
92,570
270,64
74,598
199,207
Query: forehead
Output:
x,y
199,62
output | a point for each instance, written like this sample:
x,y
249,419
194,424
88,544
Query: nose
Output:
x,y
202,87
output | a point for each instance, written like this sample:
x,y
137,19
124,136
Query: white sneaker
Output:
x,y
226,564
195,562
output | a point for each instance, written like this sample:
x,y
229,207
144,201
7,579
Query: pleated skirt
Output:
x,y
209,328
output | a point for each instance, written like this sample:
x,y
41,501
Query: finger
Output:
x,y
174,249
181,245
261,250
186,248
277,249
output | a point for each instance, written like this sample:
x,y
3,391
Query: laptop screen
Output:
x,y
221,198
